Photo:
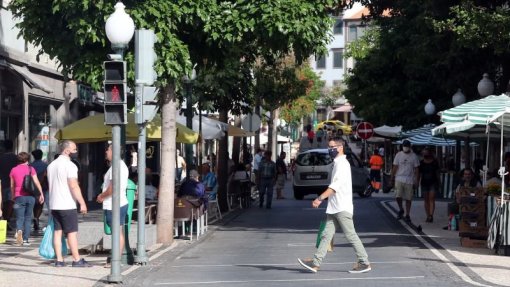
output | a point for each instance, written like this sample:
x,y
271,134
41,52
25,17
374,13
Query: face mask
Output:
x,y
333,152
406,149
73,155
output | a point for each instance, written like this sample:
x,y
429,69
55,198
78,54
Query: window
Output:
x,y
338,59
337,83
320,62
338,28
353,33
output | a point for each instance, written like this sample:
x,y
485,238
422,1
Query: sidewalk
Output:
x,y
22,265
469,263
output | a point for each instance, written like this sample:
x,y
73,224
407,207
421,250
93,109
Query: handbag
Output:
x,y
3,230
29,185
322,226
46,249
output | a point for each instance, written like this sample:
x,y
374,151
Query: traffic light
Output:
x,y
115,90
145,57
145,76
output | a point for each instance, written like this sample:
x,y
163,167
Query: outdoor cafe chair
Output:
x,y
183,212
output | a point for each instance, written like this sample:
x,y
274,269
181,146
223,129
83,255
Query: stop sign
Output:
x,y
365,130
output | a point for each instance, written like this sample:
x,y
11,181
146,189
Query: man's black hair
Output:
x,y
37,154
8,144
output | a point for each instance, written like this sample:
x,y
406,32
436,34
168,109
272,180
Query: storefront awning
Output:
x,y
32,80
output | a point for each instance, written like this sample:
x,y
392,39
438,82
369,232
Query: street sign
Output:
x,y
251,122
365,130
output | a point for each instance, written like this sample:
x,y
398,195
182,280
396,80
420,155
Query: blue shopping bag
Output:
x,y
46,249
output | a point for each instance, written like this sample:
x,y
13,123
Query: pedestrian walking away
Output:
x,y
64,192
24,201
339,212
40,168
404,177
266,179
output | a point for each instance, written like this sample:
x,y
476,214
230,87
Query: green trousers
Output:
x,y
344,221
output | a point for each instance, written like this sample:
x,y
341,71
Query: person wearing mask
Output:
x,y
266,177
376,163
8,160
23,200
105,197
40,168
404,177
429,182
339,212
256,161
281,169
64,192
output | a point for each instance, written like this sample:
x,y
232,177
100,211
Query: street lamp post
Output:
x,y
119,30
188,86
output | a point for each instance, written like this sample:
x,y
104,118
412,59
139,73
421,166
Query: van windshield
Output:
x,y
313,159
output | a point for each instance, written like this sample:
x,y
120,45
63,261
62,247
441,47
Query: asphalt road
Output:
x,y
260,247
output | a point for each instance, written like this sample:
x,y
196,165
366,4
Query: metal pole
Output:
x,y
189,124
141,256
115,275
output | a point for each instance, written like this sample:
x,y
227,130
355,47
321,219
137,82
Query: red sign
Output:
x,y
365,130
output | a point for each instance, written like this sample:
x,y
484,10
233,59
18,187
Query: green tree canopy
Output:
x,y
419,54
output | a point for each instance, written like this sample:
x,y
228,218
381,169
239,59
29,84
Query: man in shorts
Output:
x,y
106,196
404,177
281,169
64,191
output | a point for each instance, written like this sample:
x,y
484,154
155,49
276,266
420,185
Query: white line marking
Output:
x,y
290,280
134,267
436,252
280,264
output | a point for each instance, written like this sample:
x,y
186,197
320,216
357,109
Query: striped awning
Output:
x,y
476,119
417,131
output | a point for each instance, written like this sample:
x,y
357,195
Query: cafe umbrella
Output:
x,y
92,129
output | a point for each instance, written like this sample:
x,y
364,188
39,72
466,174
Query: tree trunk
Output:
x,y
223,165
165,215
270,132
257,132
236,145
274,146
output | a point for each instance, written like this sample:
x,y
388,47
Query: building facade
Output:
x,y
333,66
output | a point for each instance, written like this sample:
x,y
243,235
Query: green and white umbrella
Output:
x,y
473,118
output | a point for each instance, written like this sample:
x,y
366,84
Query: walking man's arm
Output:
x,y
76,192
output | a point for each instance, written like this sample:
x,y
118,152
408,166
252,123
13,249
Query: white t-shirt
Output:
x,y
59,171
180,161
108,177
406,163
341,182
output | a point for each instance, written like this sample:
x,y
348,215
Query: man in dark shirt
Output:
x,y
193,187
8,160
40,167
281,169
266,178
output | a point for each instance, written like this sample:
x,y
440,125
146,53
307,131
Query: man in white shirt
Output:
x,y
404,177
339,212
106,196
64,191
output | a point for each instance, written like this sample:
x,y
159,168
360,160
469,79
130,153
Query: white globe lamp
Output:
x,y
458,98
120,28
430,108
485,86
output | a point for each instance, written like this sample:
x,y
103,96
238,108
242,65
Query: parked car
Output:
x,y
312,173
337,125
